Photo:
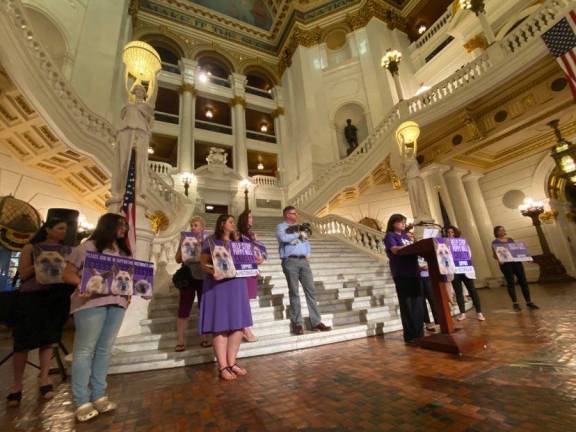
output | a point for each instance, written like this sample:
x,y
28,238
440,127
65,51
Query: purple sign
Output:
x,y
244,259
461,255
511,252
108,274
260,250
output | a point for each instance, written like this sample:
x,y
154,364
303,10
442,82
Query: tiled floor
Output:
x,y
525,381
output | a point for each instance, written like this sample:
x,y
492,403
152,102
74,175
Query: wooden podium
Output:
x,y
448,340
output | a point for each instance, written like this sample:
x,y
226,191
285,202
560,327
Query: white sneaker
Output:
x,y
461,317
86,412
103,405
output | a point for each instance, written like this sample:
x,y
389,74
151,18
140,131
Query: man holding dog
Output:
x,y
294,250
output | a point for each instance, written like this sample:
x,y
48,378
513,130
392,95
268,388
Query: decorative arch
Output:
x,y
162,42
354,110
541,177
205,50
261,70
55,38
173,40
516,20
337,29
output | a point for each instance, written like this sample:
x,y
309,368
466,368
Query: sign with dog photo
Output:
x,y
444,256
461,254
235,259
191,245
511,252
49,263
109,274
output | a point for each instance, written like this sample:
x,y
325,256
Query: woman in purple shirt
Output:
x,y
511,269
406,274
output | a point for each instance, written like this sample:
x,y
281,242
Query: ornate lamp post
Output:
x,y
551,269
187,179
564,154
390,61
479,8
245,184
406,136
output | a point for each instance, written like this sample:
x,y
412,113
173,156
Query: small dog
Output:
x,y
445,260
49,266
305,231
223,263
190,248
122,283
97,284
503,254
143,288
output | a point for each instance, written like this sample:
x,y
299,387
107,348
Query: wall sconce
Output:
x,y
209,113
264,128
203,77
260,165
151,149
406,136
187,179
391,60
422,29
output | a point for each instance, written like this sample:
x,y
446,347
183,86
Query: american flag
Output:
x,y
129,203
561,41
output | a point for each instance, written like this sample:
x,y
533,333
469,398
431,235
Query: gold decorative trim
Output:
x,y
478,41
374,9
278,112
238,100
186,87
158,220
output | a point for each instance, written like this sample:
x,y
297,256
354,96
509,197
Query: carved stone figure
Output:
x,y
217,156
134,131
351,135
416,191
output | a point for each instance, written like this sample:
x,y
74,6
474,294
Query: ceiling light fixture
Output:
x,y
264,128
260,166
209,113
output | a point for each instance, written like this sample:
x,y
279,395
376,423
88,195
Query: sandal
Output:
x,y
47,391
14,399
230,371
104,405
180,348
86,412
205,344
239,370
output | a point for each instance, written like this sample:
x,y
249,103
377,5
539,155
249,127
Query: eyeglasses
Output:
x,y
292,213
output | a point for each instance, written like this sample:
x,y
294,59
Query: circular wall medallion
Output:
x,y
457,139
513,198
500,116
558,84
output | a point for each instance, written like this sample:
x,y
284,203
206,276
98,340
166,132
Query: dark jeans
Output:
x,y
469,283
509,270
428,295
411,301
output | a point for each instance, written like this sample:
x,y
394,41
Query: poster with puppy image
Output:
x,y
461,255
192,245
444,257
109,274
511,252
49,264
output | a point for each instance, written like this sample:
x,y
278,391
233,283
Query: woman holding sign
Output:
x,y
511,269
41,305
245,221
225,307
468,280
97,318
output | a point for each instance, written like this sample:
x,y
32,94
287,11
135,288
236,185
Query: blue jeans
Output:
x,y
96,330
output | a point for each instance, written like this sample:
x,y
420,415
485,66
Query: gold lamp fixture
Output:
x,y
564,154
391,60
406,136
142,64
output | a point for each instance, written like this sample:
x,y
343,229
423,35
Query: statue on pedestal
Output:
x,y
416,191
134,131
351,135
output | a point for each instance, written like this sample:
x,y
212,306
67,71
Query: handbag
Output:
x,y
182,278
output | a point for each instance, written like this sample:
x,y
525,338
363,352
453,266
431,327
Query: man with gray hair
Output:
x,y
294,249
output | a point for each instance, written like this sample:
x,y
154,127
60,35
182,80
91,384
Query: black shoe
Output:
x,y
298,330
516,307
14,399
322,327
532,306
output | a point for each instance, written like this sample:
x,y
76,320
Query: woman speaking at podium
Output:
x,y
406,274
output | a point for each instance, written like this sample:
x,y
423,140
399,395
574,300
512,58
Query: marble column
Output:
x,y
432,194
487,28
484,222
280,130
562,235
187,116
468,225
239,124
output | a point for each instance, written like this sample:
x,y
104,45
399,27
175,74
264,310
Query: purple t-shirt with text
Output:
x,y
401,266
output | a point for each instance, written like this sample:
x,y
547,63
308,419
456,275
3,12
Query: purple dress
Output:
x,y
225,305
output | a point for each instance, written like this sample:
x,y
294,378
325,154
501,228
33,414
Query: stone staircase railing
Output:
x,y
262,180
432,31
493,67
368,240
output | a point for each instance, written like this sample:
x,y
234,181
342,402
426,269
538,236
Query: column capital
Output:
x,y
278,112
188,69
238,100
456,172
238,82
472,176
187,87
433,168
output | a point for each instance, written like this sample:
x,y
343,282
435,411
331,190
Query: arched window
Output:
x,y
259,82
214,68
52,38
169,51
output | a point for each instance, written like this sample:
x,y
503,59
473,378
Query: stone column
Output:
x,y
239,124
280,130
187,116
484,222
468,226
432,194
417,192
